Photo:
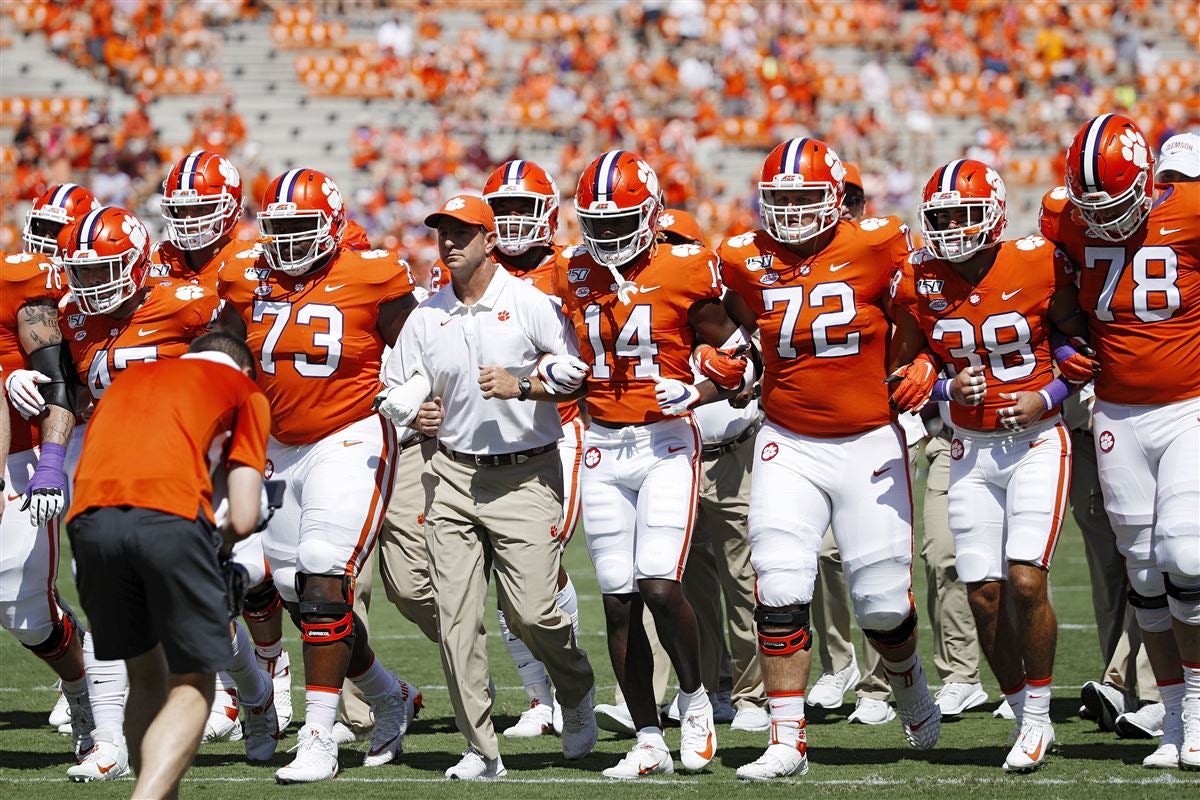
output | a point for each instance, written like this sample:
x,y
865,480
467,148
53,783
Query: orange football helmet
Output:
x,y
202,200
301,220
618,202
801,166
106,257
1110,176
525,181
963,209
53,210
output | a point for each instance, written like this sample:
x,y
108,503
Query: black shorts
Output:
x,y
147,578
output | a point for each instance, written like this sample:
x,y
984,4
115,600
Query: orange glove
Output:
x,y
916,383
725,368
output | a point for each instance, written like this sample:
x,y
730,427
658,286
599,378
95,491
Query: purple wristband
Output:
x,y
50,473
1061,346
1055,392
941,390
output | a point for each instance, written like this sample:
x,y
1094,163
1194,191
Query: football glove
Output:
x,y
23,394
725,368
915,384
674,397
561,374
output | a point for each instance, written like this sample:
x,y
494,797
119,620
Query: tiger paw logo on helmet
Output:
x,y
229,173
836,168
647,175
1133,148
997,183
135,230
332,194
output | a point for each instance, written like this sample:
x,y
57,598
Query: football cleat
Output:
x,y
1105,701
644,759
1165,756
830,689
1145,723
343,734
261,731
536,720
81,724
1189,751
869,711
579,727
392,717
723,713
1032,745
222,724
474,767
778,761
615,719
316,758
107,760
60,715
922,722
280,670
697,739
955,698
1004,711
752,719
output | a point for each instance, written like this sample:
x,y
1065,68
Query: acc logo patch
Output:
x,y
769,277
262,291
582,291
80,336
939,304
769,451
578,274
1107,441
591,458
956,449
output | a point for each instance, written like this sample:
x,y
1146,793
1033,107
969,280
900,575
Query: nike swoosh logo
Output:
x,y
351,443
12,498
1035,444
1036,754
648,770
1009,295
1168,232
676,449
836,267
446,322
707,752
384,746
644,289
329,288
147,333
879,472
105,770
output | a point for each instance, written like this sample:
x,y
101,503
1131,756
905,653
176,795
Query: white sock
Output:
x,y
568,601
1191,680
529,669
693,701
269,651
253,683
652,736
787,718
321,707
906,677
1016,701
1037,700
1172,699
376,682
107,682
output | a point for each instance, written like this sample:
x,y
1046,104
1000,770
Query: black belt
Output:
x,y
729,445
420,438
504,460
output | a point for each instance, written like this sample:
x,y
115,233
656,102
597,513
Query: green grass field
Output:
x,y
851,761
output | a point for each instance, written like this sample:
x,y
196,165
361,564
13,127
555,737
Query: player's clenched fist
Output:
x,y
969,387
561,374
726,368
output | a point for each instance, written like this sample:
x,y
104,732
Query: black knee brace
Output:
x,y
897,635
59,640
1142,601
1184,594
782,631
262,602
313,613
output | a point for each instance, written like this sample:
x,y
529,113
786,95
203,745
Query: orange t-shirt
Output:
x,y
543,276
627,346
168,261
24,278
824,329
1142,298
194,409
999,323
316,336
172,314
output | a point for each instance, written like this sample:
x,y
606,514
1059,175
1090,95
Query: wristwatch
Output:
x,y
524,387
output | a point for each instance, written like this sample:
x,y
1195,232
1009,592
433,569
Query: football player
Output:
x,y
638,308
816,287
317,315
201,206
988,308
524,199
1138,260
31,358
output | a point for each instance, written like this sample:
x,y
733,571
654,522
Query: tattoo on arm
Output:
x,y
37,326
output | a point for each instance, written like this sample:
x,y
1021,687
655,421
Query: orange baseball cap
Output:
x,y
681,223
853,176
465,208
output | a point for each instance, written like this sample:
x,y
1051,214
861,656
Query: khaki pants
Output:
x,y
719,565
956,645
354,711
1116,624
505,518
403,557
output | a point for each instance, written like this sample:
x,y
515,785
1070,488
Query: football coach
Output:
x,y
146,544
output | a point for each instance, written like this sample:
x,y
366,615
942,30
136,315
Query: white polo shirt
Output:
x,y
511,326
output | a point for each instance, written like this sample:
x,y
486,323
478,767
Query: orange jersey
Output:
x,y
24,278
999,323
824,331
195,409
1142,299
543,276
315,336
439,277
172,314
628,346
168,261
